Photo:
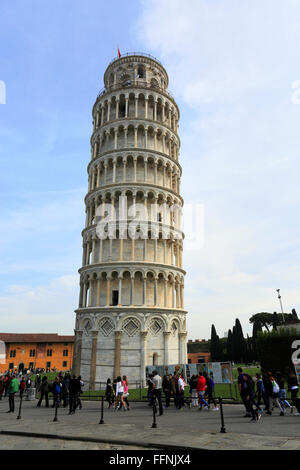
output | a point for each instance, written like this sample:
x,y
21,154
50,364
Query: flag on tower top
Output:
x,y
119,53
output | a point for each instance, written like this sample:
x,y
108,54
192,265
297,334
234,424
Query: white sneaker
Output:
x,y
216,409
296,414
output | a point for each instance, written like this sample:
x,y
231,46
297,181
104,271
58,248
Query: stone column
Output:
x,y
117,109
93,359
144,290
166,344
107,291
124,171
144,337
182,347
146,107
98,292
117,364
120,291
77,352
134,165
126,106
114,170
131,290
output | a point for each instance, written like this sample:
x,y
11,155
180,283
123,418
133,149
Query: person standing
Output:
x,y
74,390
242,384
44,389
22,386
180,399
156,391
109,393
56,390
166,389
1,386
126,392
12,390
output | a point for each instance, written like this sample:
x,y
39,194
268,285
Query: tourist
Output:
x,y
193,390
210,385
150,389
81,385
44,390
74,390
22,386
119,394
282,392
249,397
157,389
261,392
293,388
12,390
201,387
125,392
109,393
28,383
243,391
56,390
273,393
166,389
65,390
180,398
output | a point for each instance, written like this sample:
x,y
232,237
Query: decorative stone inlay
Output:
x,y
106,327
156,327
174,329
87,327
131,327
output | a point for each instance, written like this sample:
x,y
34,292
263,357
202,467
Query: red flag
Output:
x,y
119,53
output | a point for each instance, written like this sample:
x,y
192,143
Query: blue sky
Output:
x,y
231,66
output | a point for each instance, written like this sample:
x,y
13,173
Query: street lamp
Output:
x,y
279,297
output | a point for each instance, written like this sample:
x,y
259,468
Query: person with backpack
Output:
x,y
274,393
44,390
56,390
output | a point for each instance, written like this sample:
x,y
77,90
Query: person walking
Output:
x,y
109,393
282,397
273,393
157,389
125,392
261,392
193,390
210,385
293,388
81,385
44,390
119,395
201,387
243,391
12,390
249,396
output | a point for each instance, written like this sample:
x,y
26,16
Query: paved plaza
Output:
x,y
186,429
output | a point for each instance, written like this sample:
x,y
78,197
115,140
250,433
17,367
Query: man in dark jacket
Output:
x,y
74,390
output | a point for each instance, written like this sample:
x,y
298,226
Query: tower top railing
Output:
x,y
128,54
133,84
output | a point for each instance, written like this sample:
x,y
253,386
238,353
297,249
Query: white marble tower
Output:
x,y
131,308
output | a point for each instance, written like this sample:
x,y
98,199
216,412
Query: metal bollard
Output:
x,y
154,425
102,405
20,407
55,416
223,430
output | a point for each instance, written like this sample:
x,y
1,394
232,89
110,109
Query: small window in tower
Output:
x,y
115,297
141,72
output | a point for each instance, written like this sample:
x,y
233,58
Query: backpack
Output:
x,y
275,387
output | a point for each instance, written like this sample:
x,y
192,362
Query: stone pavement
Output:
x,y
186,429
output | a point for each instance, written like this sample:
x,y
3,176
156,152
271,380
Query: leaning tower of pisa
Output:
x,y
131,308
